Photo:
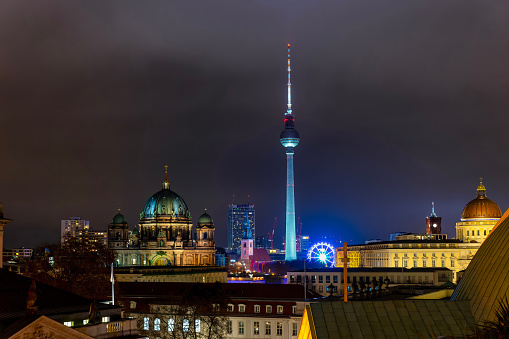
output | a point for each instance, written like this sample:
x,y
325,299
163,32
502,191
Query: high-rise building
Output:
x,y
433,223
73,227
237,215
262,242
78,228
290,139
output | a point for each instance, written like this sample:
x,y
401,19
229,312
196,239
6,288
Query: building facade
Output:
x,y
432,250
249,310
164,234
319,279
240,217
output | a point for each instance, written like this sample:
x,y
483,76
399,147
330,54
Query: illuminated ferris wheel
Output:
x,y
322,252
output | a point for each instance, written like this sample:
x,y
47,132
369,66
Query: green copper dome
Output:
x,y
205,219
165,203
119,219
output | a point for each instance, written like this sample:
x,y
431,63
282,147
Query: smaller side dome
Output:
x,y
119,218
205,219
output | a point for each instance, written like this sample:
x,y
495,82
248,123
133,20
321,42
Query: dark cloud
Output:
x,y
398,104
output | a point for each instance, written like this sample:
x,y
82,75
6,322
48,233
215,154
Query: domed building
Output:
x,y
478,218
165,234
118,232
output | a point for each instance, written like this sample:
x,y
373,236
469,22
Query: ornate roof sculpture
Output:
x,y
486,280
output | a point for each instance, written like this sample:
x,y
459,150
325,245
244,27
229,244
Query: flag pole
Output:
x,y
112,279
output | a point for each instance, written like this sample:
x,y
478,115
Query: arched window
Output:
x,y
185,325
157,324
171,324
205,235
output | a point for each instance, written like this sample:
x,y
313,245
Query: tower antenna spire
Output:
x,y
289,110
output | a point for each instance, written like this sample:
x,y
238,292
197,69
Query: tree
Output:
x,y
200,313
79,265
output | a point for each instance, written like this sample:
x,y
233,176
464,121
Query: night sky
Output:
x,y
398,104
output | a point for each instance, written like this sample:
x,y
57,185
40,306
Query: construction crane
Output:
x,y
271,235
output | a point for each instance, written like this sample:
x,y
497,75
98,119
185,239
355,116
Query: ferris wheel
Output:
x,y
322,252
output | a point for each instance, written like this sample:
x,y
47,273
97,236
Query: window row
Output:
x,y
257,308
241,328
172,325
478,233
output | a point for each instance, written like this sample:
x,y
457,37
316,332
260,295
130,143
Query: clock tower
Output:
x,y
433,223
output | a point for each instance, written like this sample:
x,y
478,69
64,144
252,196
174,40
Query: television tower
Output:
x,y
289,139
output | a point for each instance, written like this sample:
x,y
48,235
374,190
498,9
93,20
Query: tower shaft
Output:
x,y
291,241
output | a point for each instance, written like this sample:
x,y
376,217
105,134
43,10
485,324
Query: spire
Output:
x,y
166,183
433,214
289,110
481,190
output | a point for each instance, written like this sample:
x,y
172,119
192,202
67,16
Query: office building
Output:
x,y
237,215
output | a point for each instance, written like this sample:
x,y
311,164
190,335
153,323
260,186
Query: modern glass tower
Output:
x,y
290,139
237,217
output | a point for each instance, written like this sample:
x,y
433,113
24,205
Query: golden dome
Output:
x,y
481,207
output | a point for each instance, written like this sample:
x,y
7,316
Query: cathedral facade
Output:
x,y
164,236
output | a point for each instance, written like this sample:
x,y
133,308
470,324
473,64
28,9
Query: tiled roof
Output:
x,y
486,280
50,300
170,290
391,319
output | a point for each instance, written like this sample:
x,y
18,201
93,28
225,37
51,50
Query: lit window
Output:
x,y
279,328
241,327
268,309
256,308
105,319
242,308
185,325
132,305
197,325
294,329
85,321
256,327
267,328
279,309
69,323
146,324
171,324
157,324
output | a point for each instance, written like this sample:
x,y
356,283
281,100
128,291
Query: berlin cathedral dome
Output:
x,y
165,203
481,207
